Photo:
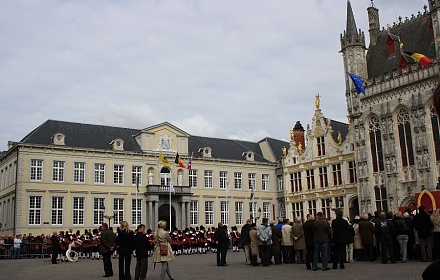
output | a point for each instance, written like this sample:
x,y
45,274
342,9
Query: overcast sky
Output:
x,y
229,69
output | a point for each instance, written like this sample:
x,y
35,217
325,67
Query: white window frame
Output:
x,y
136,211
57,203
79,172
239,212
78,210
118,174
224,212
265,182
99,177
36,172
192,178
209,212
266,210
209,179
35,210
136,175
98,210
58,171
223,178
194,212
118,210
252,181
238,180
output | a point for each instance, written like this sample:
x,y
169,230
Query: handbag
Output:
x,y
163,249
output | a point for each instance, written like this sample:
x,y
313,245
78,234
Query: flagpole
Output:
x,y
137,191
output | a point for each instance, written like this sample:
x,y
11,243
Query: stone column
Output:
x,y
183,214
150,215
156,213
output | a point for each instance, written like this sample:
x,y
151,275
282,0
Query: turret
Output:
x,y
373,19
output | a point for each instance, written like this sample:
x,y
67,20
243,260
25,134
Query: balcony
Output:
x,y
159,189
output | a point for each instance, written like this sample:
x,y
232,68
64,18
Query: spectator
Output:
x,y
106,248
255,249
366,234
385,232
350,241
276,241
299,242
321,231
340,235
435,218
287,242
124,243
424,226
55,245
222,241
162,237
17,246
264,233
247,240
141,246
309,236
401,231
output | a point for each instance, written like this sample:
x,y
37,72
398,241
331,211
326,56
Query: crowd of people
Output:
x,y
388,237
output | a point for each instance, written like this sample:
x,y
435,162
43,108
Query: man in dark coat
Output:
x,y
423,225
322,231
246,239
55,242
142,246
108,243
221,240
276,243
309,236
366,231
340,237
385,232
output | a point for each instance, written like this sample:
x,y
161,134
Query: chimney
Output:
x,y
298,134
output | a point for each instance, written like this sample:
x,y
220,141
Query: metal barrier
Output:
x,y
28,250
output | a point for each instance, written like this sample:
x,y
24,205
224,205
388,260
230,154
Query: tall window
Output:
x,y
57,210
209,212
208,179
323,180
36,170
266,210
192,173
194,212
381,198
376,145
337,174
136,175
118,210
352,172
224,212
280,183
118,174
252,181
99,173
238,180
34,210
312,207
321,146
79,172
58,171
98,211
253,210
435,132
223,179
406,146
78,210
298,210
295,181
325,203
265,182
239,213
310,178
339,201
136,211
282,207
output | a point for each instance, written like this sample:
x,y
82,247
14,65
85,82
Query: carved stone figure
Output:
x,y
317,101
394,164
426,159
388,164
179,180
339,138
150,177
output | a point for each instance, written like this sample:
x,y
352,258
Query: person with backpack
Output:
x,y
264,233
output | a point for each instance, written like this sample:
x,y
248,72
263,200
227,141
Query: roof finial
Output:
x,y
317,101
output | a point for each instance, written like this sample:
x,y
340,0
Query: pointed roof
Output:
x,y
351,29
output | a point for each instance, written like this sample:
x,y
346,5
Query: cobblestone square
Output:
x,y
194,267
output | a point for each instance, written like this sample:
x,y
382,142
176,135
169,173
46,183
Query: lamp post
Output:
x,y
108,217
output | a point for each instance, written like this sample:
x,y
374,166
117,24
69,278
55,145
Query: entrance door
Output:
x,y
164,214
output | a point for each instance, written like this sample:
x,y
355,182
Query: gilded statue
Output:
x,y
284,151
317,101
339,138
291,134
300,148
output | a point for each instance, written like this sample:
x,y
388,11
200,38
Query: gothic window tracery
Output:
x,y
435,132
405,138
376,144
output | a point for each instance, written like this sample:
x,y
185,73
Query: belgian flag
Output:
x,y
420,58
179,161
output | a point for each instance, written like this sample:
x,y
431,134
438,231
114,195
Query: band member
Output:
x,y
55,245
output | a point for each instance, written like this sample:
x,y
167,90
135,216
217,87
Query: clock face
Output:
x,y
165,144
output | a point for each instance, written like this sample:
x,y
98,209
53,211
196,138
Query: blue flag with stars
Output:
x,y
357,83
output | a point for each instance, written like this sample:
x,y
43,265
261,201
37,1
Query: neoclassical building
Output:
x,y
320,169
72,175
396,130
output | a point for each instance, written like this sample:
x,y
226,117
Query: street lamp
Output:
x,y
108,217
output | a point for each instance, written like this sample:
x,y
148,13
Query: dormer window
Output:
x,y
58,139
391,47
205,152
249,156
117,144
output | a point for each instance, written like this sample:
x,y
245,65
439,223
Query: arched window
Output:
x,y
376,145
406,145
435,132
165,176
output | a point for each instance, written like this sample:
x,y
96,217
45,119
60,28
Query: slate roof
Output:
x,y
338,126
99,137
415,36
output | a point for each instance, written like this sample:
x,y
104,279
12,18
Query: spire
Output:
x,y
351,29
352,36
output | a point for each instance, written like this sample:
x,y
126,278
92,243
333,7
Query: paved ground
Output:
x,y
204,267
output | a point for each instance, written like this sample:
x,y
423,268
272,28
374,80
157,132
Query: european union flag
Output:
x,y
357,83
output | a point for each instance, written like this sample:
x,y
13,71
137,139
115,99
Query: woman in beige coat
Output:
x,y
255,249
162,237
299,241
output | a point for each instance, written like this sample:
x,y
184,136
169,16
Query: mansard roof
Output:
x,y
415,36
90,136
339,126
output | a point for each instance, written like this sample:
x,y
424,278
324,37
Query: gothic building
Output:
x,y
396,131
320,173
